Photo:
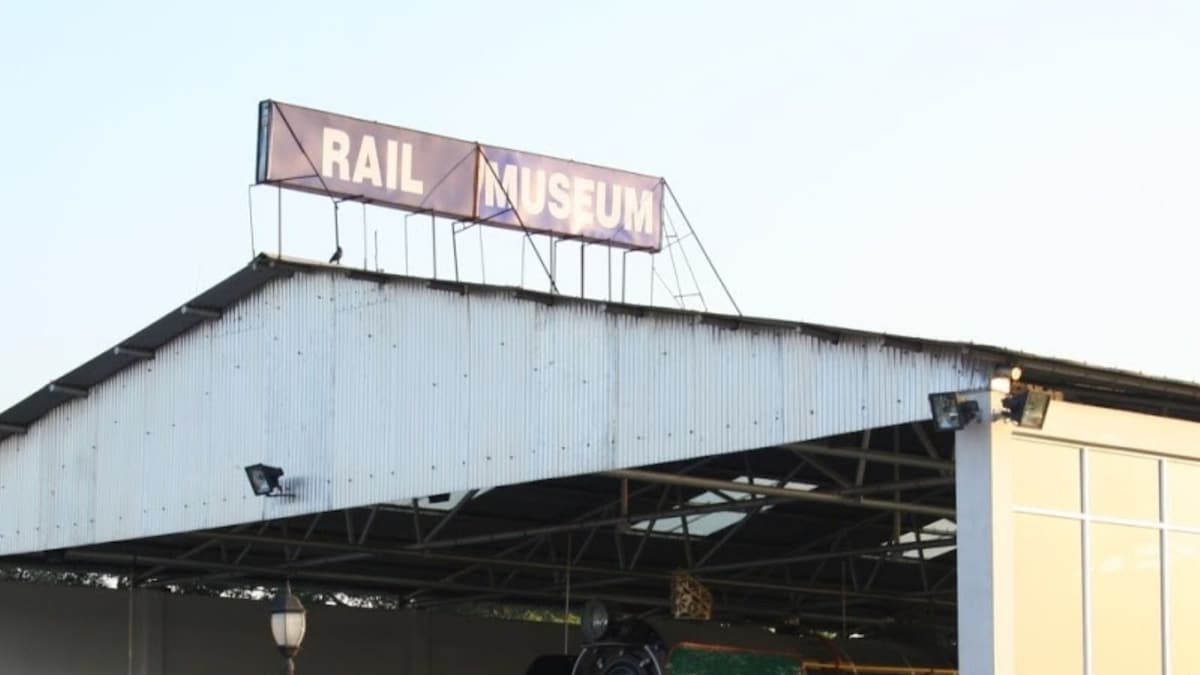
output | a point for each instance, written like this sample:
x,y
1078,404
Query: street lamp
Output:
x,y
288,622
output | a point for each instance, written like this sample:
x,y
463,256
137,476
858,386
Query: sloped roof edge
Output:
x,y
1090,383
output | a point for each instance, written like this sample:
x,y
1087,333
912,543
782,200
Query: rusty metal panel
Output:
x,y
368,392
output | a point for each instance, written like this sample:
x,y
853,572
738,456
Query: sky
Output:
x,y
1025,174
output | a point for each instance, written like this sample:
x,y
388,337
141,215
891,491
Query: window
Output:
x,y
1122,486
1183,494
1125,613
1183,565
1046,476
1048,577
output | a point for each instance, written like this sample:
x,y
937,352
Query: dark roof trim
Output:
x,y
142,345
1090,383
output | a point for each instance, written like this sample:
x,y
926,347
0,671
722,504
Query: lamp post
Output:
x,y
288,622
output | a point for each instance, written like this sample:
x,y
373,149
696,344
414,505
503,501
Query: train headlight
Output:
x,y
594,622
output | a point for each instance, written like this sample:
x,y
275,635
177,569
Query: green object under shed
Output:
x,y
692,659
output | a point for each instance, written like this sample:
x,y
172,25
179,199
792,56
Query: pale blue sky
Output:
x,y
1017,173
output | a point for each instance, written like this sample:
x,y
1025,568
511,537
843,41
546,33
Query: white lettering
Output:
x,y
335,151
639,215
494,191
407,182
532,203
610,217
560,198
389,168
582,201
367,165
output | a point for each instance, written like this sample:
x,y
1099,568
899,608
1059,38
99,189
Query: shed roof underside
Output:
x,y
871,567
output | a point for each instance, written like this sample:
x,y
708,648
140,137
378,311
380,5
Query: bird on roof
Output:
x,y
336,258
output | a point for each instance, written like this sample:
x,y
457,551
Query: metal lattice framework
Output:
x,y
832,553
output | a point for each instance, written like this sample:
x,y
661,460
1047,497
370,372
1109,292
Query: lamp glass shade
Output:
x,y
288,622
264,480
258,481
1033,411
595,621
945,411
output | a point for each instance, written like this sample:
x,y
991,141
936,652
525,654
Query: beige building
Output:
x,y
1079,544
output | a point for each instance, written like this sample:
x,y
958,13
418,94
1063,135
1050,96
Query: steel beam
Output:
x,y
528,532
445,520
552,568
771,491
366,531
823,557
831,555
198,548
67,390
134,352
914,484
202,312
618,521
236,561
737,527
873,456
308,532
583,517
835,537
645,538
827,470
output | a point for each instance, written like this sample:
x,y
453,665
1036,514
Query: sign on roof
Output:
x,y
347,158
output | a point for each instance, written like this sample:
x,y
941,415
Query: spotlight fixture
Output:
x,y
1027,408
952,412
264,480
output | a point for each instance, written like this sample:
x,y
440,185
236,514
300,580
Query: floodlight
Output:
x,y
951,412
1028,408
264,480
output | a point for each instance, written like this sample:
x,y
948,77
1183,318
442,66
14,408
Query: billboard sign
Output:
x,y
347,158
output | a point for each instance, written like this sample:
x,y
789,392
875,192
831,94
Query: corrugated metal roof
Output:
x,y
1107,385
136,347
369,388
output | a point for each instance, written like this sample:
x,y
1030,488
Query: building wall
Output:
x,y
1094,534
53,630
